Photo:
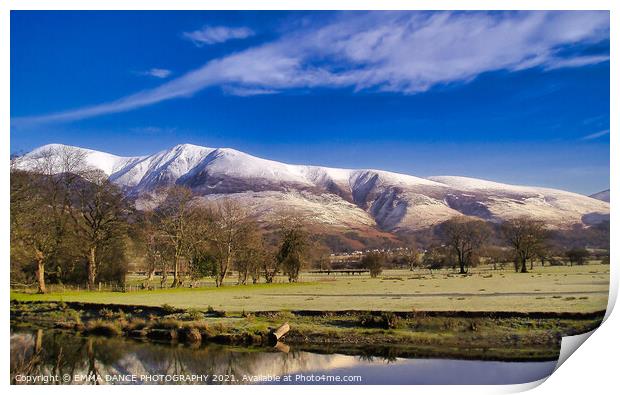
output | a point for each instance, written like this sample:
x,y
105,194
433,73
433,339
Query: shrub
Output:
x,y
169,335
247,315
75,316
200,325
106,313
190,335
168,309
474,325
218,328
136,324
168,324
194,315
122,316
374,263
215,313
385,320
103,328
389,320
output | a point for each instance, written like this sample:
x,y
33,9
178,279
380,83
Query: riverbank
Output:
x,y
506,336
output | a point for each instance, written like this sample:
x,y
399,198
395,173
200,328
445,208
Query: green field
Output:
x,y
553,289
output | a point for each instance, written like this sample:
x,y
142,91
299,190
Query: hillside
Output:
x,y
357,201
602,195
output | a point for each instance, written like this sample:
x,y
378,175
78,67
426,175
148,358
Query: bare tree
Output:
x,y
466,237
293,252
411,256
152,245
269,265
173,219
41,202
498,256
229,231
526,236
250,256
543,255
319,253
577,256
199,251
33,235
98,217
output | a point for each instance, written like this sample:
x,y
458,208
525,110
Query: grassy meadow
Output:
x,y
571,289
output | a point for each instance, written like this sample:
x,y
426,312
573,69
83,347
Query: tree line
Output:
x,y
68,223
72,225
463,242
192,239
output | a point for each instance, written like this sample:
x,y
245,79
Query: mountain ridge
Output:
x,y
602,195
345,198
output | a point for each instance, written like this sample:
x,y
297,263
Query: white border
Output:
x,y
591,370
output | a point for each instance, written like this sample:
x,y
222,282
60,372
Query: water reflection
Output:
x,y
64,358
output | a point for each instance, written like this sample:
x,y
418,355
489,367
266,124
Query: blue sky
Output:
x,y
515,97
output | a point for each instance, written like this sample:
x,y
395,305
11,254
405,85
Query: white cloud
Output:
x,y
242,91
596,135
217,34
157,73
577,62
398,52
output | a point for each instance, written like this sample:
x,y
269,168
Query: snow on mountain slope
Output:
x,y
108,163
476,184
334,197
504,201
324,208
161,169
226,170
602,195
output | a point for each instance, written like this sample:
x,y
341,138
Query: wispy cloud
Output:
x,y
402,52
157,73
241,91
217,34
596,135
596,119
577,61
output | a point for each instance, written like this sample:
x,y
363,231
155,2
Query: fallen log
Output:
x,y
282,347
275,335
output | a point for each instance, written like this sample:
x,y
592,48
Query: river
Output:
x,y
56,357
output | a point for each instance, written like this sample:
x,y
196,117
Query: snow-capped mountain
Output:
x,y
602,195
343,198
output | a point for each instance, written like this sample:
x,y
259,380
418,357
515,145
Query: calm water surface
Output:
x,y
62,358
